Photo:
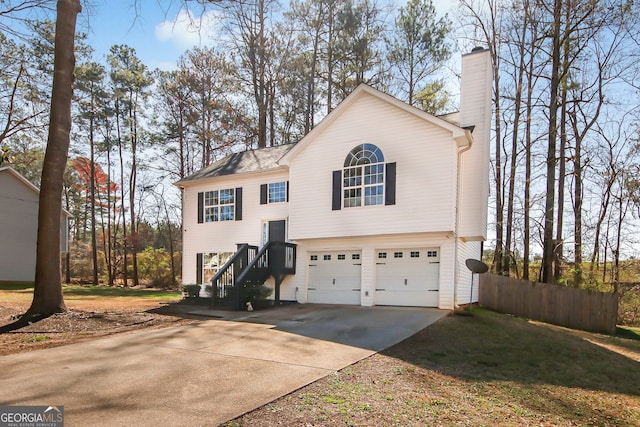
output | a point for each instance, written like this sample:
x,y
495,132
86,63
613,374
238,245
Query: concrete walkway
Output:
x,y
207,373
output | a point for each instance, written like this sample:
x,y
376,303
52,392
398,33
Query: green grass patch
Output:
x,y
111,292
628,333
89,291
15,286
36,338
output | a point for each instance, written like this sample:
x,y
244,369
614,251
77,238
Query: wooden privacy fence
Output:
x,y
559,305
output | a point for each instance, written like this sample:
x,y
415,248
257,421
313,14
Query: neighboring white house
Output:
x,y
19,225
384,201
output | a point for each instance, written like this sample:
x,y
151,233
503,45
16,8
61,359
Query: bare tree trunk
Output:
x,y
311,84
133,236
561,178
330,35
514,146
577,209
548,242
528,148
566,51
47,293
271,96
109,240
67,257
616,253
92,181
171,246
499,252
125,273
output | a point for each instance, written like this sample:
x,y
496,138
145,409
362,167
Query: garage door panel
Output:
x,y
407,277
334,277
319,296
408,298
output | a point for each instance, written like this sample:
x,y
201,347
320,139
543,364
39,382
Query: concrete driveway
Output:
x,y
207,373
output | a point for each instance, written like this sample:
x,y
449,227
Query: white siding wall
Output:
x,y
475,110
466,250
19,213
425,156
447,273
224,235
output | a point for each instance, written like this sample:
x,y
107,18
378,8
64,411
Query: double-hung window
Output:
x,y
219,205
208,264
275,192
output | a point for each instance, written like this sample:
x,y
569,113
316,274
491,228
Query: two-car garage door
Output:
x,y
407,277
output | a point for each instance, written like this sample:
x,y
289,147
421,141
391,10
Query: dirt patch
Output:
x,y
87,320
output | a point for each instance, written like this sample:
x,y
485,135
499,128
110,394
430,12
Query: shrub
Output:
x,y
81,266
256,294
629,306
208,289
191,291
154,265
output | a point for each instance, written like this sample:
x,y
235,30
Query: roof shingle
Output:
x,y
243,162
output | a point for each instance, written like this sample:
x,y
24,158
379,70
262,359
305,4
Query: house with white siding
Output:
x,y
19,225
380,204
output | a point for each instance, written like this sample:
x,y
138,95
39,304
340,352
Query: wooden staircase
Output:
x,y
250,266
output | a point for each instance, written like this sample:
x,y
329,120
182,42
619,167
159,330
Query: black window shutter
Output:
x,y
336,199
200,208
238,203
390,184
287,196
199,269
263,194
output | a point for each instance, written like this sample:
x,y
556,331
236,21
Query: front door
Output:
x,y
277,231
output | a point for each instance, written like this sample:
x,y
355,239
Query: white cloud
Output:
x,y
187,29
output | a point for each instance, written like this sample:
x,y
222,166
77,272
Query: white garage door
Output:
x,y
408,277
334,277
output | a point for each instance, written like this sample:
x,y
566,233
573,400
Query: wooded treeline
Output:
x,y
135,130
565,156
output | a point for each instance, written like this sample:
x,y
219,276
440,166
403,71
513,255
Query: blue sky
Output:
x,y
159,30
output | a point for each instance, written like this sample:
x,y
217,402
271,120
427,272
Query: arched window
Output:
x,y
363,177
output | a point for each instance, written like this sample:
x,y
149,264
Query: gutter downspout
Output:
x,y
182,233
457,225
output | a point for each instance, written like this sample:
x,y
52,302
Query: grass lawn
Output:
x,y
487,369
85,294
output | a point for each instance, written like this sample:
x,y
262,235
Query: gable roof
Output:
x,y
243,162
27,183
462,136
